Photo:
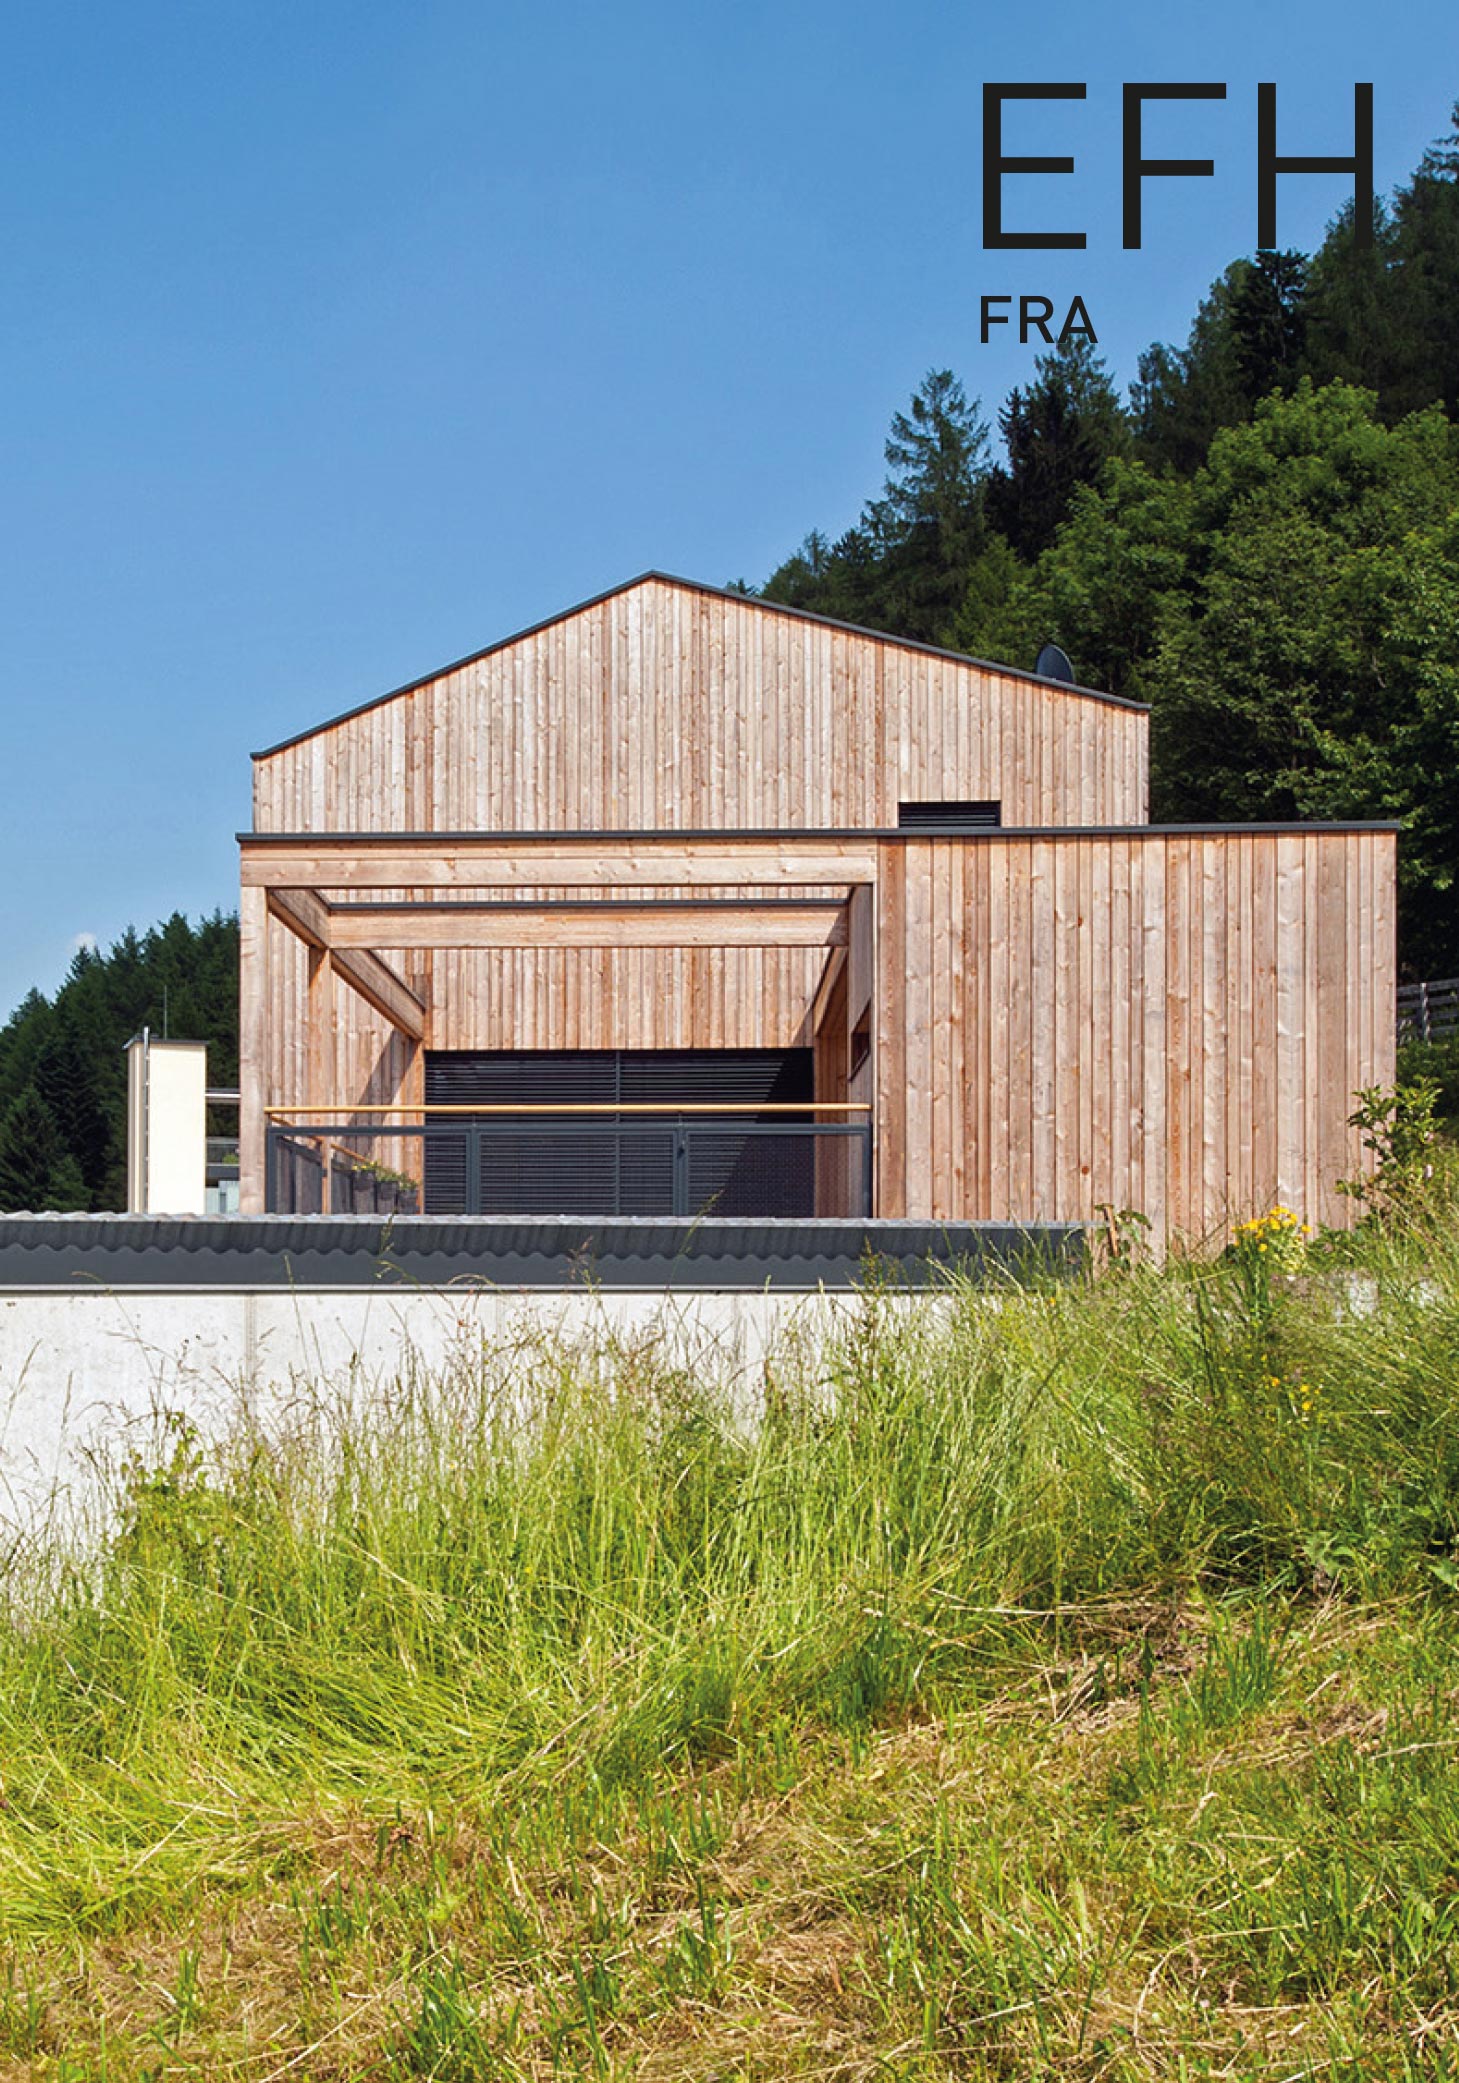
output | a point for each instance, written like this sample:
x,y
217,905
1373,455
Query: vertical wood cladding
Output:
x,y
1172,1022
663,707
1175,1023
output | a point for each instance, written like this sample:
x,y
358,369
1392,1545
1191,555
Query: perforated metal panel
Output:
x,y
619,1164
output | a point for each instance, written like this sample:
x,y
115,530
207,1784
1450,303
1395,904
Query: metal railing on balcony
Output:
x,y
750,1160
1430,1011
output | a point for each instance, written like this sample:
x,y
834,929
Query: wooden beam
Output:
x,y
319,1029
861,965
835,963
319,1061
379,986
253,1041
777,922
477,862
305,912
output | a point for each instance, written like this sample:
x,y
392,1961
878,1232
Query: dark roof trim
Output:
x,y
518,904
668,578
906,836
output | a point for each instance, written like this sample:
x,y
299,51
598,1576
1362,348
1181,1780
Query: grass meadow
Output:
x,y
1056,1681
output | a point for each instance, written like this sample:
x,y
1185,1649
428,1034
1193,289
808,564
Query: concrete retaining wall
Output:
x,y
84,1376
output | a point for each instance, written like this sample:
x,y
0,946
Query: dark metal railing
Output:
x,y
1428,1012
736,1160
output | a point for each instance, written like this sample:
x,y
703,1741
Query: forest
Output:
x,y
63,1079
1261,540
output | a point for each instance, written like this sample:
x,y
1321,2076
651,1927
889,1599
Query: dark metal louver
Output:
x,y
950,817
619,1164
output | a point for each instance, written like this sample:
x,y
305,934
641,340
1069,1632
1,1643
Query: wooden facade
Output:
x,y
668,707
667,820
1169,1021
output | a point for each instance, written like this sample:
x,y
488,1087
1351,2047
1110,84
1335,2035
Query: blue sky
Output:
x,y
338,341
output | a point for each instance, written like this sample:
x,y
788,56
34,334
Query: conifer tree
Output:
x,y
1059,433
70,1073
1269,323
65,1056
31,1157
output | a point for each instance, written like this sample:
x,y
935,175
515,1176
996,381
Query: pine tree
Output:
x,y
66,1190
1423,291
1059,434
31,1155
68,1054
22,1038
1185,395
1348,307
936,460
1269,323
904,566
928,525
69,1074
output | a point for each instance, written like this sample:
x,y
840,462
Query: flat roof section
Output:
x,y
72,1253
904,835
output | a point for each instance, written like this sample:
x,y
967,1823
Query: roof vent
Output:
x,y
949,817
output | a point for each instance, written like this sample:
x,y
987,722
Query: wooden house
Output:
x,y
685,901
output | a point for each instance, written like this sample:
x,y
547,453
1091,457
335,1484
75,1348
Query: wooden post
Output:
x,y
829,1064
253,1043
889,1014
319,1044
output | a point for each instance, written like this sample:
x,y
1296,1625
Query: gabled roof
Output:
x,y
750,600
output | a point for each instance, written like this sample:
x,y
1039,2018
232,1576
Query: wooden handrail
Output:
x,y
799,1106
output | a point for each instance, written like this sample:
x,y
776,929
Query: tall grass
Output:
x,y
557,1595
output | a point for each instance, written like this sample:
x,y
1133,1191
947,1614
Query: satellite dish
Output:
x,y
1053,664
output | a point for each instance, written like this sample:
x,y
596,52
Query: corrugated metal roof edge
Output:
x,y
66,1253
